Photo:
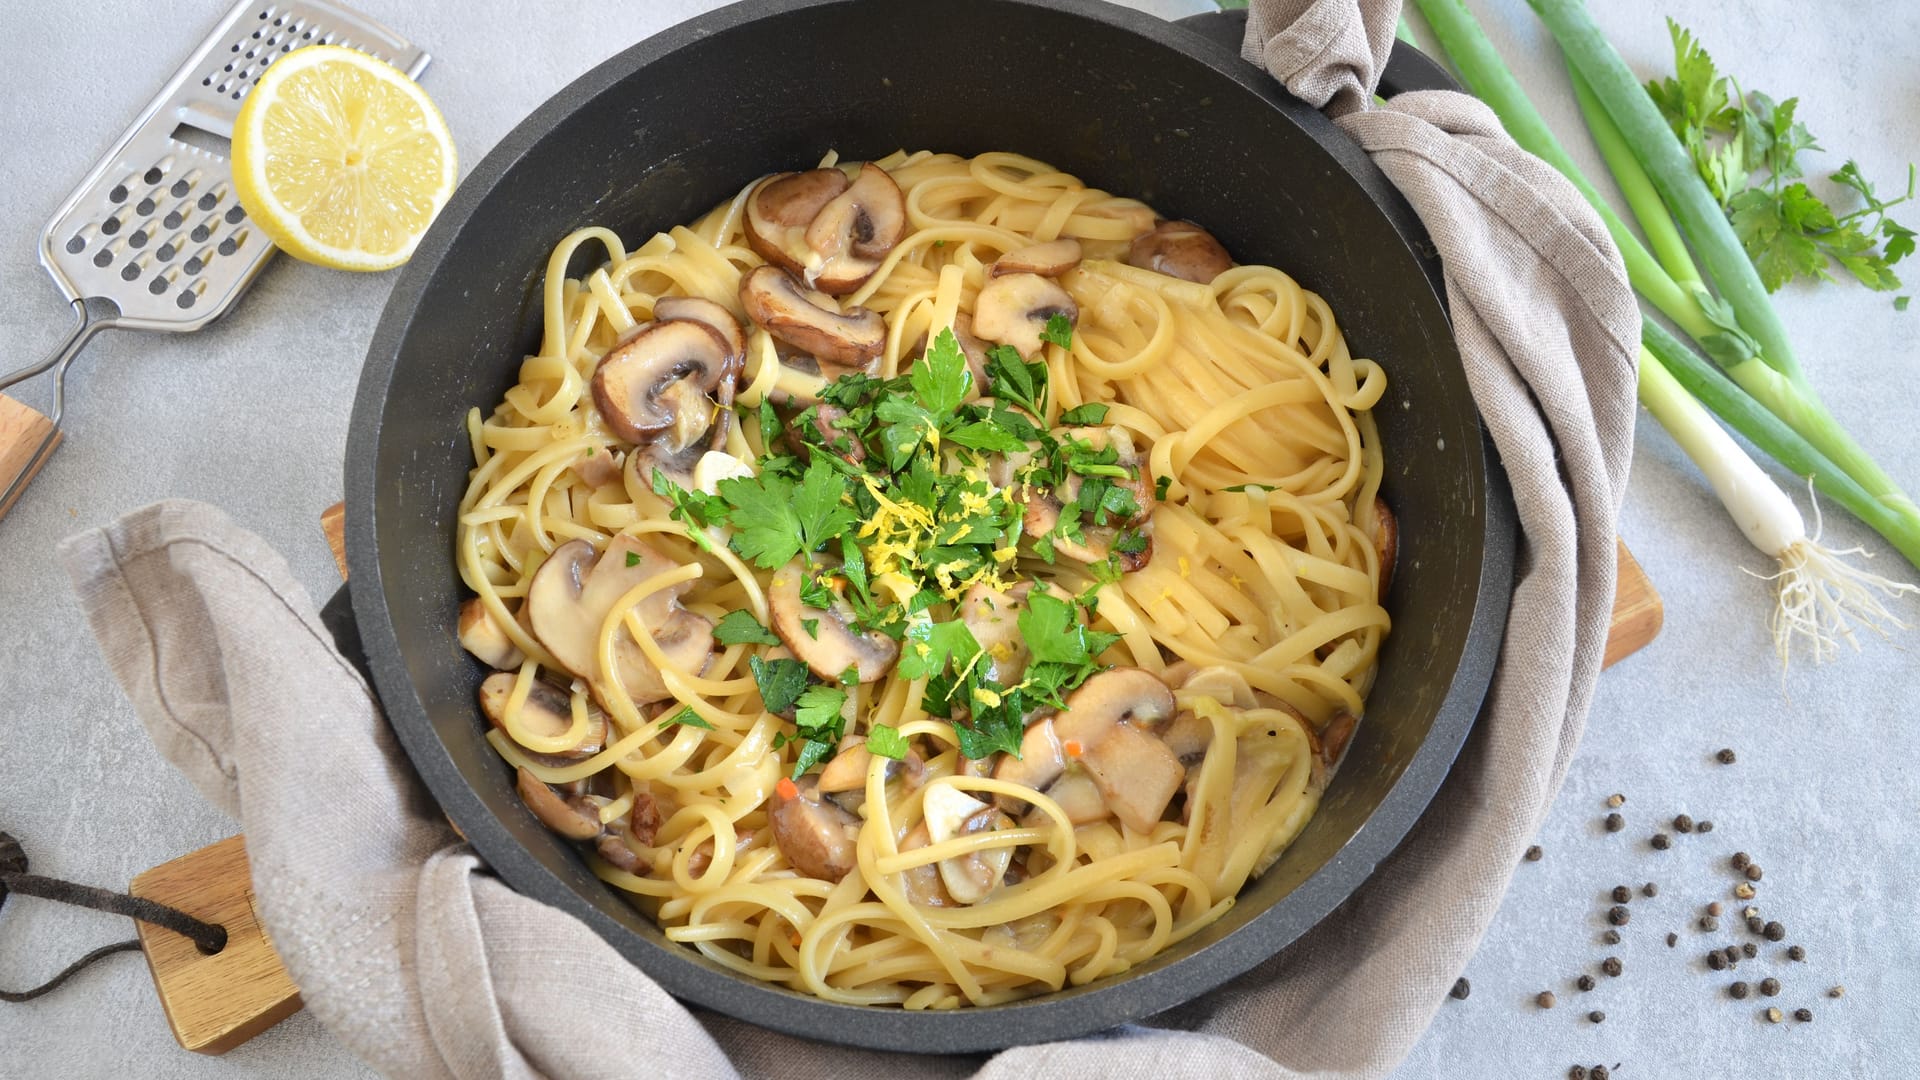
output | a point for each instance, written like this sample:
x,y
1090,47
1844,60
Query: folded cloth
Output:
x,y
426,966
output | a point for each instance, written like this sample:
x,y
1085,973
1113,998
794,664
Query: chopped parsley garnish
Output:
x,y
781,681
775,519
1092,412
741,628
887,742
686,716
1059,331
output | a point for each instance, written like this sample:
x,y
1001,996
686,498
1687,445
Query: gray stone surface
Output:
x,y
251,414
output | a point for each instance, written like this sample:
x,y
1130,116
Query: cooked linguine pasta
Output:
x,y
927,583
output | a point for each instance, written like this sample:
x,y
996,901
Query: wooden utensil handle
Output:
x,y
27,440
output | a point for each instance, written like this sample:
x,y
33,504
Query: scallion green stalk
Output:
x,y
1662,236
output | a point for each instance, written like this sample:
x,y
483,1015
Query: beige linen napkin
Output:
x,y
427,966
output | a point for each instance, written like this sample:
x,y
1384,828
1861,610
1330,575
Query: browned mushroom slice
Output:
x,y
812,321
781,208
575,589
1044,507
974,349
851,235
1333,741
824,639
577,818
1386,543
661,379
922,883
816,836
993,617
1180,249
707,313
1013,309
547,713
1051,259
1113,717
597,468
613,848
1040,763
949,813
481,635
1078,797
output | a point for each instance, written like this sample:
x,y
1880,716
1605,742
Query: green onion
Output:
x,y
1634,183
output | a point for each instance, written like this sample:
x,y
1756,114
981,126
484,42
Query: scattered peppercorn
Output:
x,y
1716,961
1739,991
1744,890
1709,923
1774,931
1461,988
1618,915
1599,1071
1672,940
1774,1016
1578,1072
1584,982
1649,890
1725,756
1741,859
1732,954
1534,853
1612,966
1611,937
1704,826
1749,911
1597,1016
1770,987
1615,823
1838,991
1622,894
1754,924
1546,999
1661,841
1753,872
1749,950
1683,824
1616,800
1795,952
1803,1015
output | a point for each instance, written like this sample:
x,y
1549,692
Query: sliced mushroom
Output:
x,y
816,836
598,468
1014,308
575,589
1113,717
993,617
922,883
1386,543
1188,736
949,813
613,848
660,380
707,313
1040,763
812,321
974,349
821,419
715,466
831,647
849,237
782,207
577,818
1044,507
481,635
1180,249
1335,738
1051,259
547,713
1079,798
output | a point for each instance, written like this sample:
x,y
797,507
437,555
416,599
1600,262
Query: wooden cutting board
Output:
x,y
215,1004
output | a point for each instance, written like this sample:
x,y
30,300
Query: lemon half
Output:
x,y
341,158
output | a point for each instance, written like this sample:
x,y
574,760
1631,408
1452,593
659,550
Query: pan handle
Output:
x,y
1407,67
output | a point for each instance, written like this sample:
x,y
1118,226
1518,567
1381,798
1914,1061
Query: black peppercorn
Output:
x,y
1774,931
1732,954
1649,890
1749,950
1803,1015
1672,940
1661,841
1578,1072
1611,965
1709,923
1534,853
1546,999
1754,924
1770,987
1615,823
1753,872
1838,991
1584,982
1611,937
1795,952
1618,915
1739,991
1741,859
1725,756
1597,1016
1600,1071
1683,824
1716,961
1461,988
1704,826
1622,894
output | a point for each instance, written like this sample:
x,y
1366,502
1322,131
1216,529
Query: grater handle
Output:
x,y
27,438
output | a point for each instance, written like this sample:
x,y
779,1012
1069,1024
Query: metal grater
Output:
x,y
153,238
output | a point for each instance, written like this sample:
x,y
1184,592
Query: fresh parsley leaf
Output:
x,y
1059,330
1773,229
812,627
696,509
887,742
990,732
815,593
940,378
1093,412
1016,381
987,436
741,628
818,711
1054,633
1900,302
1130,542
775,519
687,717
812,752
633,558
930,646
1160,485
781,681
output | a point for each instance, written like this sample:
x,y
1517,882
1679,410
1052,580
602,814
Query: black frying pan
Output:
x,y
1167,113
